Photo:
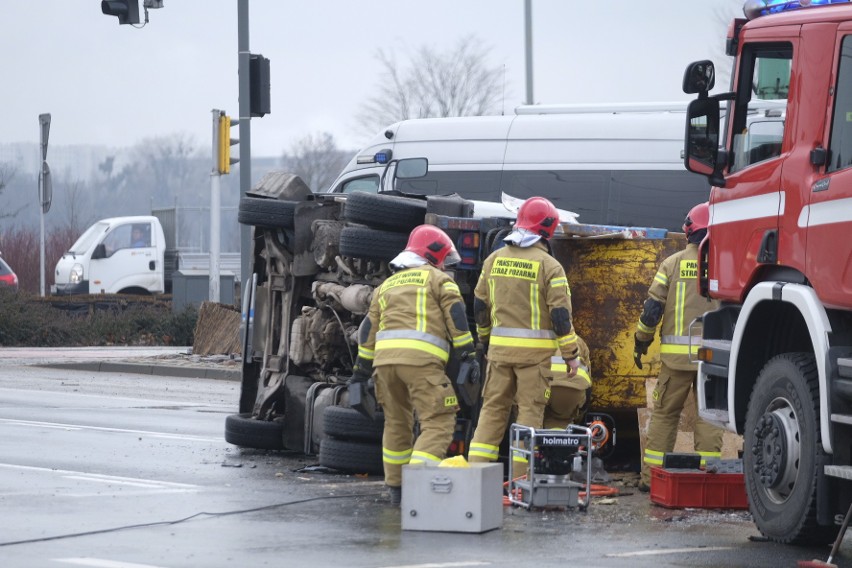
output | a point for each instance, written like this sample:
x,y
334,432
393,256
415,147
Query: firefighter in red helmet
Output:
x,y
416,317
522,308
674,300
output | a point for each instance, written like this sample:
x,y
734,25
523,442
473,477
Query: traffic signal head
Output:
x,y
224,144
126,10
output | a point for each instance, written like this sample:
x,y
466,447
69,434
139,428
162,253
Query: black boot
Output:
x,y
394,494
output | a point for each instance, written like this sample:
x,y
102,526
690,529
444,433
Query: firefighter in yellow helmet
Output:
x,y
522,308
673,298
569,396
417,316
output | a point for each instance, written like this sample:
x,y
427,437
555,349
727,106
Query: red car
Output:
x,y
7,276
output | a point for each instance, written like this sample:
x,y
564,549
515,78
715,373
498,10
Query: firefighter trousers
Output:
x,y
506,384
404,390
563,407
668,400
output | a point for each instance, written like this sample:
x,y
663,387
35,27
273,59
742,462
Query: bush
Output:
x,y
30,321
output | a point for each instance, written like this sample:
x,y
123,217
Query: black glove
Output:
x,y
359,375
640,347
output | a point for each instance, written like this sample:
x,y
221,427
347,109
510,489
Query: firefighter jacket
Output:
x,y
416,317
675,288
583,379
520,289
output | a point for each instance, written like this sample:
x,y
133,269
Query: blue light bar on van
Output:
x,y
754,8
383,156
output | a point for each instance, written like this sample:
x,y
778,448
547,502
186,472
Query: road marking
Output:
x,y
442,565
62,426
169,486
668,551
101,563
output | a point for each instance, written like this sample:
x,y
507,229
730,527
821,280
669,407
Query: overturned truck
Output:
x,y
316,260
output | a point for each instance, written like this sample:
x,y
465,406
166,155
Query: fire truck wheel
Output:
x,y
782,451
351,457
391,212
348,424
241,430
371,244
266,213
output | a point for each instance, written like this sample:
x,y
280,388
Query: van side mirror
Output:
x,y
699,78
99,252
410,168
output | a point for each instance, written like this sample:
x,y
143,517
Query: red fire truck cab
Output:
x,y
776,358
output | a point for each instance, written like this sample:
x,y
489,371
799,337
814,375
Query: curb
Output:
x,y
146,369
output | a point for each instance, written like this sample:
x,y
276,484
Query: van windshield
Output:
x,y
87,239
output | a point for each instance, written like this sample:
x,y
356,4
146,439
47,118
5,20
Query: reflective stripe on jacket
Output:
x,y
521,286
583,379
410,319
675,287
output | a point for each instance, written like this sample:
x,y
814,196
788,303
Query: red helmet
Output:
x,y
434,245
538,215
698,218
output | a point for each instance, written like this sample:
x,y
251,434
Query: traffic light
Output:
x,y
225,142
126,10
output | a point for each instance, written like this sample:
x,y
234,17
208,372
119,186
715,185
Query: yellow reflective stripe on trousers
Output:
x,y
423,457
535,311
486,451
680,301
396,457
706,455
518,457
653,457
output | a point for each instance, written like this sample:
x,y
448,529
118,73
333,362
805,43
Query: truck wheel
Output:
x,y
782,451
348,424
266,213
352,457
391,212
244,431
361,242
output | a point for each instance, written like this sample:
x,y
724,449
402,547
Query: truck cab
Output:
x,y
776,358
119,255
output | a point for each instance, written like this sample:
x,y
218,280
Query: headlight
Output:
x,y
76,275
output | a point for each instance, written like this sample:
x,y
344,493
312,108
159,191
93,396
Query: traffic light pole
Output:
x,y
245,131
215,213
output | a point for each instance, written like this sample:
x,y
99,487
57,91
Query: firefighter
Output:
x,y
569,396
522,308
674,299
416,317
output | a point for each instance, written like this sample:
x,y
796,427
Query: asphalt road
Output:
x,y
121,470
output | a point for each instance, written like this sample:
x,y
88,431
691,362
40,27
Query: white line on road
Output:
x,y
668,551
70,474
120,430
442,565
101,563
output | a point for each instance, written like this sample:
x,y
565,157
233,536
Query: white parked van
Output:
x,y
116,255
615,164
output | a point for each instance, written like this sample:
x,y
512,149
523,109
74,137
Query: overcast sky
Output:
x,y
115,85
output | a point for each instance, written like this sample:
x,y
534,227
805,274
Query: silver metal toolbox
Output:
x,y
452,499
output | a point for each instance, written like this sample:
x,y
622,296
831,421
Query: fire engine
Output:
x,y
776,357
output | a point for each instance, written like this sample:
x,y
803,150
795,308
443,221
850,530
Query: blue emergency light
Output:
x,y
755,8
383,156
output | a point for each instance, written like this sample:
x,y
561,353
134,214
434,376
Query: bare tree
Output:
x,y
458,82
7,172
316,159
77,211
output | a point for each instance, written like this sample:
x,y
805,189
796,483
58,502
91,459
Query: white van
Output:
x,y
117,255
617,164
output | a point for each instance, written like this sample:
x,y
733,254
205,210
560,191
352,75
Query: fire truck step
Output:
x,y
841,471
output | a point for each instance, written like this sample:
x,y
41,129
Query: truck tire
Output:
x,y
391,212
266,213
782,451
345,423
244,431
351,457
372,244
